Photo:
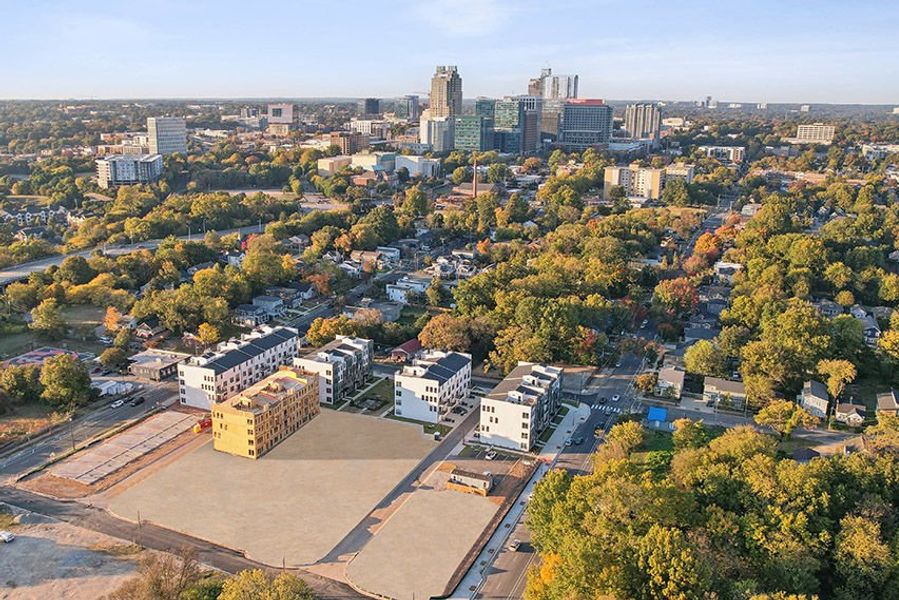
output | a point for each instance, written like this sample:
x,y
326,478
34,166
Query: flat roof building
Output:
x,y
343,366
128,169
167,135
235,365
155,365
256,420
586,123
431,385
521,406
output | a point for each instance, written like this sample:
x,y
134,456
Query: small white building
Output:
x,y
111,387
428,388
814,398
419,166
406,287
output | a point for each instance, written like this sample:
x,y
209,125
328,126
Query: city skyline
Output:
x,y
794,53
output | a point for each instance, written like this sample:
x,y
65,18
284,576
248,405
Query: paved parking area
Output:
x,y
109,456
293,504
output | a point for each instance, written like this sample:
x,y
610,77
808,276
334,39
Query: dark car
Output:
x,y
137,401
578,441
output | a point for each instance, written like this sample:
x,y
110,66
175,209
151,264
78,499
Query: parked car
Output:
x,y
117,404
7,536
578,441
137,401
491,454
567,442
514,545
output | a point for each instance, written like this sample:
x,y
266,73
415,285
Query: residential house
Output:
x,y
726,271
888,403
155,364
404,289
694,334
828,308
148,328
351,268
850,414
720,391
290,297
272,305
470,482
406,351
815,399
249,315
297,243
670,382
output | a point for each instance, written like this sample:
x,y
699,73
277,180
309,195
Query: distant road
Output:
x,y
23,270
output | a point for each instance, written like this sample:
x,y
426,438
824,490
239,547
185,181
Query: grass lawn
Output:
x,y
865,391
7,520
26,419
657,440
382,391
429,428
547,433
78,315
410,314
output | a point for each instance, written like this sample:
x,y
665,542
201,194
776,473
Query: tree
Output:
x,y
122,339
434,293
461,175
838,374
21,384
645,382
113,358
678,295
208,334
161,577
75,270
448,333
845,298
46,319
689,434
66,382
112,319
415,202
257,584
676,193
784,416
863,559
704,358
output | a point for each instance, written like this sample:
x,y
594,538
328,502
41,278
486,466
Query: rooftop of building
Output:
x,y
272,390
437,366
247,348
157,358
525,383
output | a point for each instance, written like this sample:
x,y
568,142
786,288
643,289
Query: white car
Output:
x,y
7,536
491,454
514,545
117,404
616,398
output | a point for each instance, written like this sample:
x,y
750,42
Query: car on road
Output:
x,y
578,441
616,398
618,364
644,324
603,400
491,454
117,404
137,401
514,545
568,442
7,536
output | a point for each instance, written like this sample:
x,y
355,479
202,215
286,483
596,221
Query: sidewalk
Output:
x,y
473,580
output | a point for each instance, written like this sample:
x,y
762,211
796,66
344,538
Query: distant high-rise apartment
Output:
x,y
349,142
473,133
816,133
585,123
168,135
371,106
126,169
643,121
413,107
437,132
446,92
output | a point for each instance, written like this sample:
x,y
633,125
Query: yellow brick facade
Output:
x,y
256,420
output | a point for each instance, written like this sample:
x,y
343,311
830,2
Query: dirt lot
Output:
x,y
50,559
295,503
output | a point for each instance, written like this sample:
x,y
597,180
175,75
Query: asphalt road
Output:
x,y
83,428
507,576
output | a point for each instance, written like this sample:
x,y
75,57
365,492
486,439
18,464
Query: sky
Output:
x,y
816,51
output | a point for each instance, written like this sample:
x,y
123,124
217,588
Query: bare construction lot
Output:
x,y
295,503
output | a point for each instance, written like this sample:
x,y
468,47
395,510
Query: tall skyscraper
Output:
x,y
585,123
437,132
643,121
446,92
517,124
168,135
371,106
413,107
553,87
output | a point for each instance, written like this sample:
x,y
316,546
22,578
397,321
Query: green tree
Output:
x,y
689,434
704,358
415,202
21,384
113,358
208,334
46,319
676,193
66,382
434,292
161,576
838,374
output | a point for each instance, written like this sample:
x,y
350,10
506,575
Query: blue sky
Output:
x,y
758,50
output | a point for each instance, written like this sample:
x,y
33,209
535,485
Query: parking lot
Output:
x,y
293,504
